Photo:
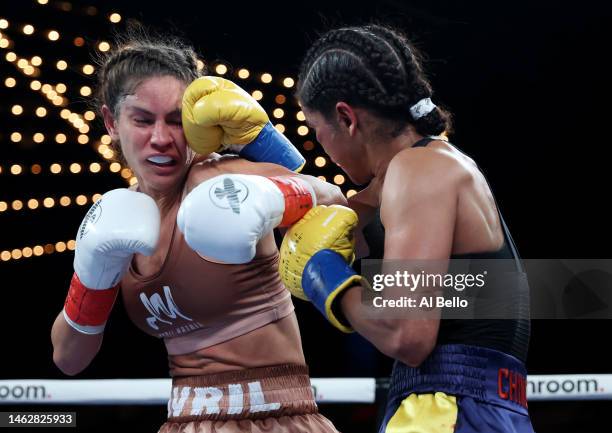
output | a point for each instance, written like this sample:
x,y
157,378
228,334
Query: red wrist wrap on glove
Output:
x,y
298,200
89,307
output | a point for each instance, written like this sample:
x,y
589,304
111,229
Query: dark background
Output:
x,y
528,86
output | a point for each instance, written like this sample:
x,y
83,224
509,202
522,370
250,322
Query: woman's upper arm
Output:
x,y
326,193
418,211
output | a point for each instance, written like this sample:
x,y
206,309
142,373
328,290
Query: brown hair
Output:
x,y
137,55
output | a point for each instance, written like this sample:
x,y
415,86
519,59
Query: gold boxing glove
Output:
x,y
218,114
315,256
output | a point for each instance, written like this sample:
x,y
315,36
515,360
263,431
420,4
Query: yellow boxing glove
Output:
x,y
218,114
315,256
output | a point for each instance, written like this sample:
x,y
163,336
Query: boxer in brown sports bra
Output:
x,y
232,337
230,331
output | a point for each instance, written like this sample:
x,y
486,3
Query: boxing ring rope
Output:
x,y
327,390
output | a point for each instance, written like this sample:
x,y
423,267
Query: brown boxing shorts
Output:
x,y
267,399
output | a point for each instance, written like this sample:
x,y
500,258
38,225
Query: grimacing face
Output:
x,y
150,133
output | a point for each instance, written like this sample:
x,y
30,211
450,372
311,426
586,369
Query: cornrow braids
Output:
x,y
371,67
439,120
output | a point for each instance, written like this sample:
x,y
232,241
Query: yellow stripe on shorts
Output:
x,y
425,413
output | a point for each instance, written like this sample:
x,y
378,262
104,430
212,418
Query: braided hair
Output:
x,y
372,67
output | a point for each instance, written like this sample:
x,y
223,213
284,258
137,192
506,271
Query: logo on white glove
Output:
x,y
93,215
228,194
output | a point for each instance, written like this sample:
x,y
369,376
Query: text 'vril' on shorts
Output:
x,y
273,391
206,400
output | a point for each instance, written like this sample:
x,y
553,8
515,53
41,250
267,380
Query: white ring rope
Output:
x,y
327,390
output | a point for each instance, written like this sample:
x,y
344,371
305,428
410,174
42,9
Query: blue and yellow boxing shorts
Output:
x,y
459,389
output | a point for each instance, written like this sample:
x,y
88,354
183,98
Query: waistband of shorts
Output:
x,y
274,391
457,369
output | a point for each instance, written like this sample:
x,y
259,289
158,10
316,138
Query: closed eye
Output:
x,y
141,121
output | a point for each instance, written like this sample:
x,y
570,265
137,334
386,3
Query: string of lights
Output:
x,y
48,202
37,250
66,168
53,94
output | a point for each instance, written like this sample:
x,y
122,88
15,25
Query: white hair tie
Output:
x,y
422,108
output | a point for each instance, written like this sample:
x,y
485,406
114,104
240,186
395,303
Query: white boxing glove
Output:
x,y
121,223
225,217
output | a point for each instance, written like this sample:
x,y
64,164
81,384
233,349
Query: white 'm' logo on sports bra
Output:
x,y
156,306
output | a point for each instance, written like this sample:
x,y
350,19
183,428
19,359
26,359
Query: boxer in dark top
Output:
x,y
364,92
